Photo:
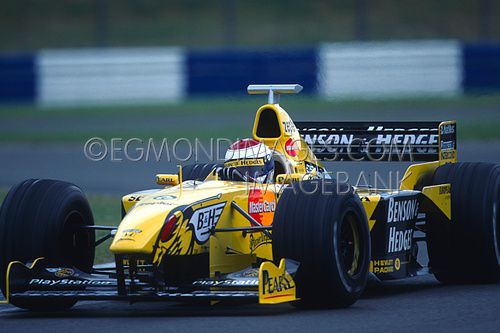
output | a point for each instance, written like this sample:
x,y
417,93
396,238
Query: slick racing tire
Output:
x,y
467,249
41,218
198,171
323,226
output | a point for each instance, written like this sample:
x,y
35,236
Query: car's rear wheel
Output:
x,y
42,218
467,249
323,226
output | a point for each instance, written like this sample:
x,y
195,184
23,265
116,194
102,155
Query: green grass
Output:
x,y
232,104
480,131
106,210
232,117
32,24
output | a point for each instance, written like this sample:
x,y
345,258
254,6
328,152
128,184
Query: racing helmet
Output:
x,y
249,160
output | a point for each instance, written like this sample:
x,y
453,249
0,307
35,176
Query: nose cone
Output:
x,y
140,228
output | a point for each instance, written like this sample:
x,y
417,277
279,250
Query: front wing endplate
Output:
x,y
276,285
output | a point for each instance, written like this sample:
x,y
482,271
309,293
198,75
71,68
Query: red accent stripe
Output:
x,y
278,296
244,143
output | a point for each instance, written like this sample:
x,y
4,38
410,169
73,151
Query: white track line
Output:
x,y
8,308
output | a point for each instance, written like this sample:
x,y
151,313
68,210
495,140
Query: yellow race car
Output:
x,y
300,236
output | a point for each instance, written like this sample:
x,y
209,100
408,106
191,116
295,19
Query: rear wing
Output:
x,y
381,141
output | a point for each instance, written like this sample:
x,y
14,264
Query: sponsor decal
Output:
x,y
384,266
399,240
444,189
448,129
448,141
244,163
275,283
261,206
68,282
397,264
132,231
227,282
405,139
372,139
321,142
446,155
401,210
253,272
292,147
289,127
139,263
447,145
257,241
204,219
154,203
165,197
64,272
129,234
166,179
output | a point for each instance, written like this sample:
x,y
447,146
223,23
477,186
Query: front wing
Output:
x,y
268,284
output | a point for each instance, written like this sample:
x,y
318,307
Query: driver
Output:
x,y
248,160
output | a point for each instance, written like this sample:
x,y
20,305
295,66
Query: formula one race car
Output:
x,y
300,237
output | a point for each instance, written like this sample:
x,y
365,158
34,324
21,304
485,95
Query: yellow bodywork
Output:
x,y
288,134
146,211
440,196
229,251
416,172
201,208
149,214
370,202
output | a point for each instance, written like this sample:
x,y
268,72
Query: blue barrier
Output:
x,y
17,78
230,71
481,67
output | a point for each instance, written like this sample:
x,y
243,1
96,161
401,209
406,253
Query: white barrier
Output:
x,y
104,76
389,69
152,75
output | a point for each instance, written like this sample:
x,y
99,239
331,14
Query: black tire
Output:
x,y
467,249
309,226
40,218
198,171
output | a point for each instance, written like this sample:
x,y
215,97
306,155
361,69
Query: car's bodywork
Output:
x,y
212,239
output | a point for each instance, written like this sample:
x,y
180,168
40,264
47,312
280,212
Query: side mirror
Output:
x,y
284,178
167,179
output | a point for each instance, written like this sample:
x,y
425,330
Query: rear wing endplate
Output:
x,y
381,141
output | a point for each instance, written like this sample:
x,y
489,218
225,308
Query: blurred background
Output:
x,y
35,24
73,70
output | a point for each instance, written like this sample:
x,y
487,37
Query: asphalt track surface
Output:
x,y
413,305
115,174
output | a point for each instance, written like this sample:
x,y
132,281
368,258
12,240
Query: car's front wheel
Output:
x,y
43,218
323,226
